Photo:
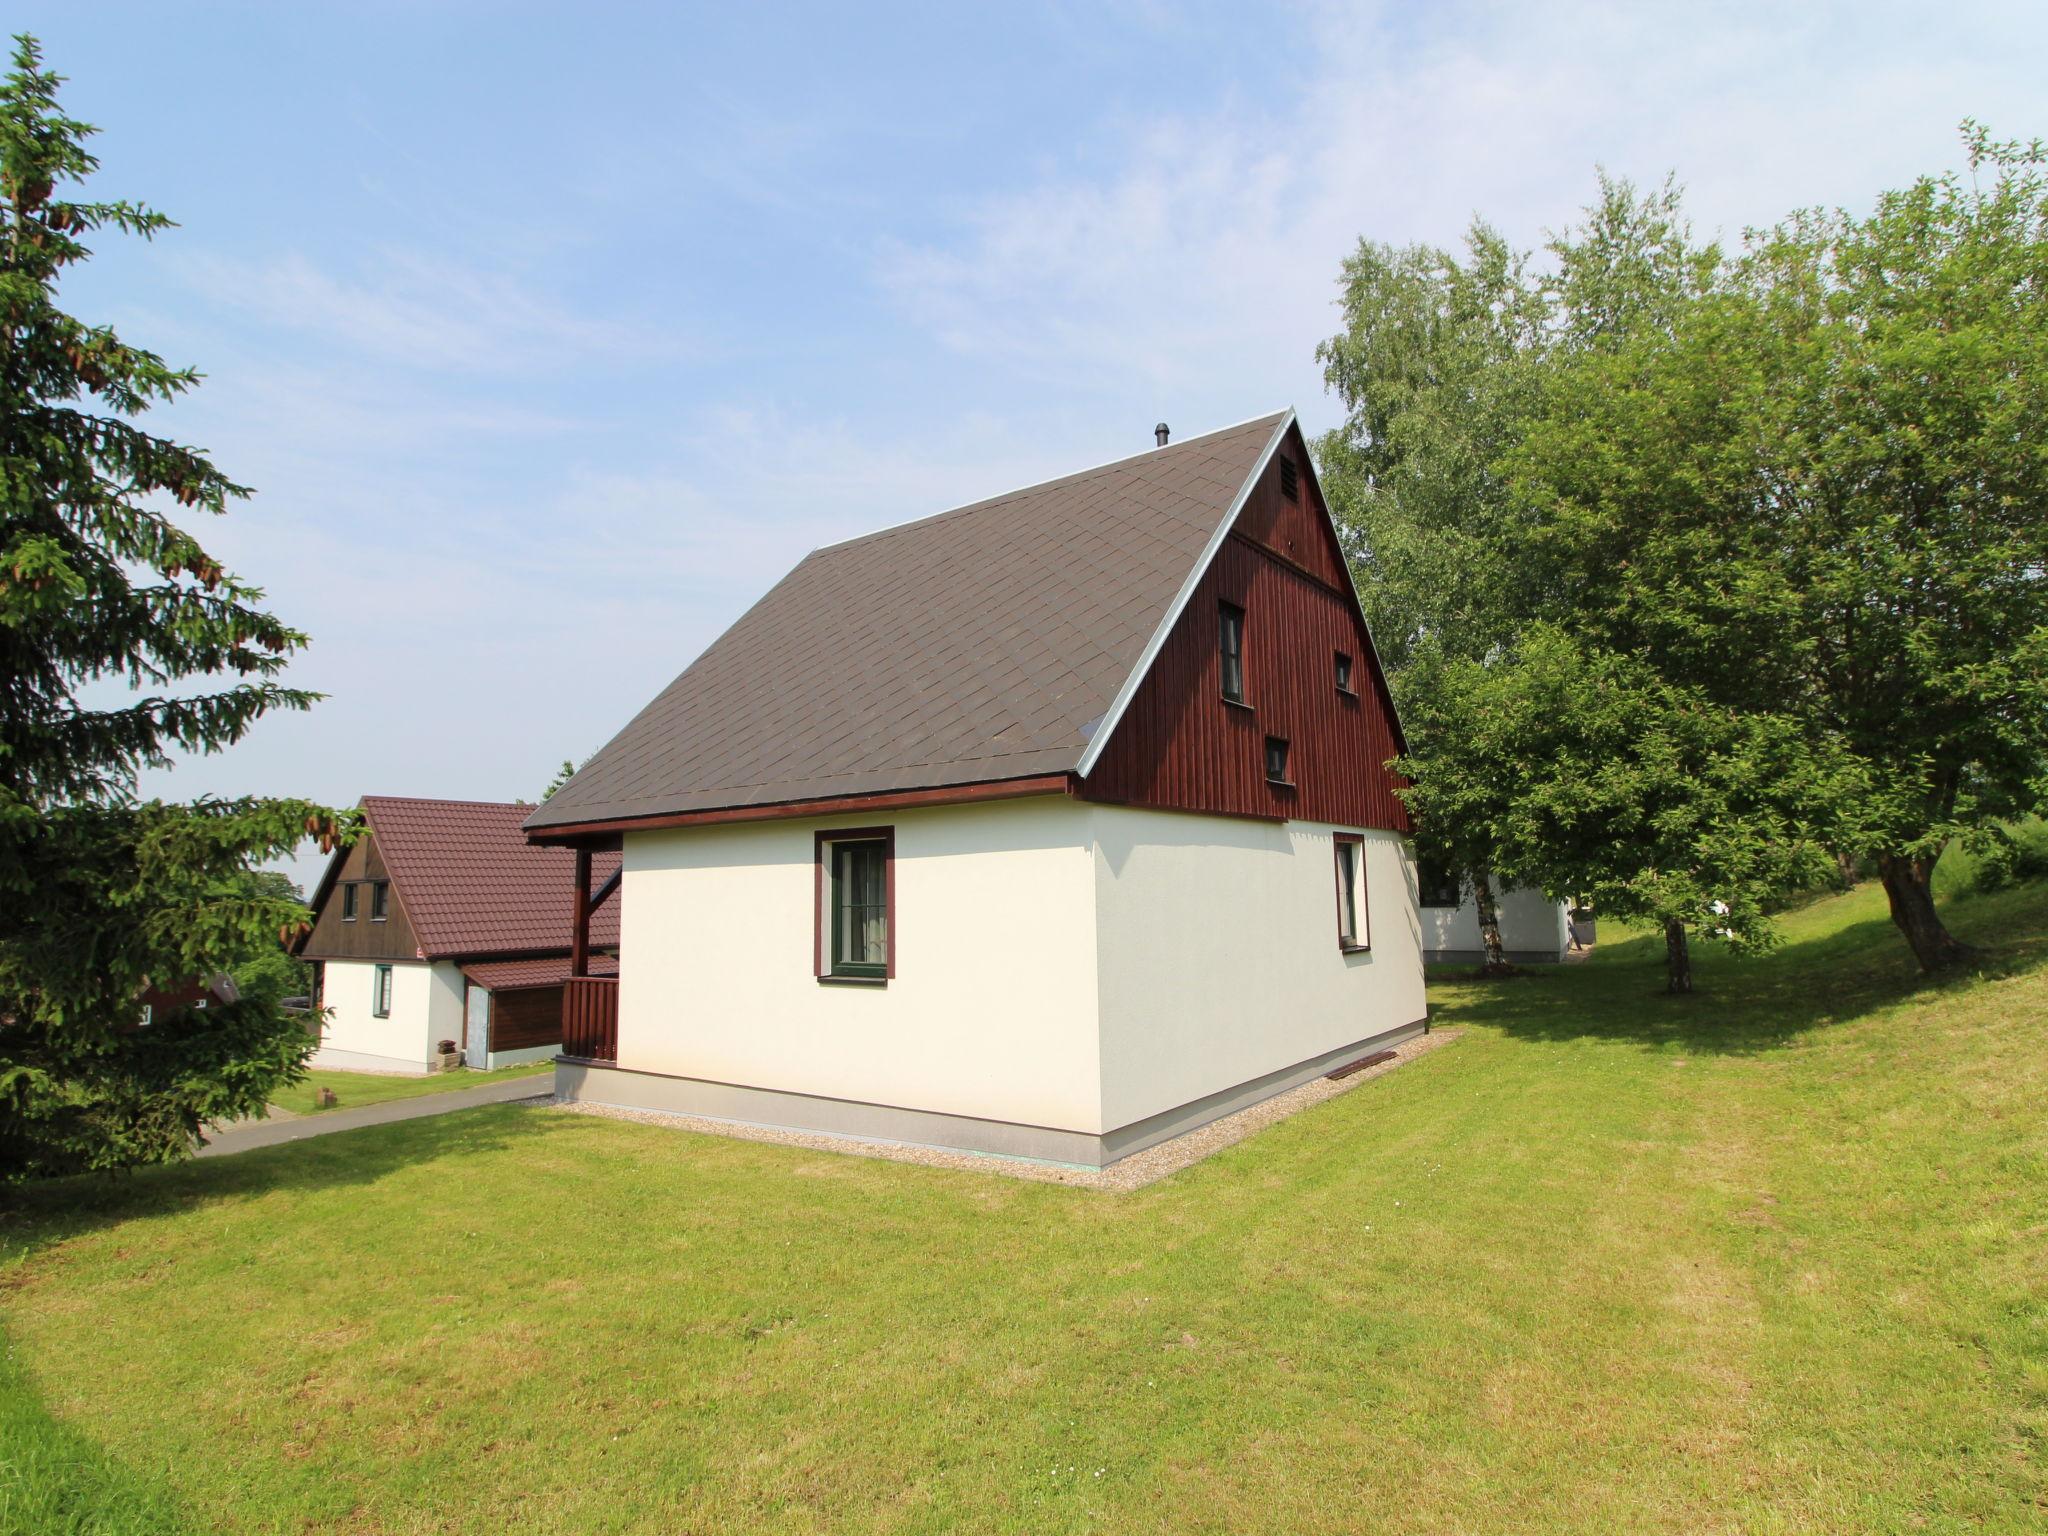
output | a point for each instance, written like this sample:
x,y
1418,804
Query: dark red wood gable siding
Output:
x,y
1296,530
1180,746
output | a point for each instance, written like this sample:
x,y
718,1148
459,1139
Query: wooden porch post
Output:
x,y
579,935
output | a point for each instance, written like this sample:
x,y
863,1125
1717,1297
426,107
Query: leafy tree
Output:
x,y
1448,367
1821,493
103,893
267,970
1662,806
1432,368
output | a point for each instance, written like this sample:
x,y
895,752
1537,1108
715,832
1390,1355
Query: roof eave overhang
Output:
x,y
608,831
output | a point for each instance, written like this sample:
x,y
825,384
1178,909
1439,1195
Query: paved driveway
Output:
x,y
245,1135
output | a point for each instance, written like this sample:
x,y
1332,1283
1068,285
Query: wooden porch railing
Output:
x,y
590,1017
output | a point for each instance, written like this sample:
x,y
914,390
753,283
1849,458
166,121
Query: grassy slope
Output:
x,y
1770,1259
353,1090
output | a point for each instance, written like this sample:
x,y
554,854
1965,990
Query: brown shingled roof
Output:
x,y
982,644
472,885
548,971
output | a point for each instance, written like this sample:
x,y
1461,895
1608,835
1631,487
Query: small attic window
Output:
x,y
1344,674
1290,480
1276,760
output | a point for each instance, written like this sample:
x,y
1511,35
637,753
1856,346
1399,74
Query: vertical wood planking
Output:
x,y
590,1018
1180,746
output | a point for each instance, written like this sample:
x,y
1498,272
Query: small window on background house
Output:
x,y
860,908
1351,926
1276,759
1438,886
1290,480
348,902
1230,644
380,992
380,901
1343,673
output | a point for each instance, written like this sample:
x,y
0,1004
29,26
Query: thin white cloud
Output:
x,y
424,312
1203,263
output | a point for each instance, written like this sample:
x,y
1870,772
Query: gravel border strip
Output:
x,y
1133,1172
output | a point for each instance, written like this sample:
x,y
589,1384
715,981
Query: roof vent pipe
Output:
x,y
1159,433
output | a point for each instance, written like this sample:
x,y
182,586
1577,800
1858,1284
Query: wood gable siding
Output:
x,y
1181,746
363,939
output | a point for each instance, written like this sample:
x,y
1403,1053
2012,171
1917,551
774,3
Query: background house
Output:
x,y
443,923
1052,825
1533,928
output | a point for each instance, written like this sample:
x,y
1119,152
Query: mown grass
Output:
x,y
353,1090
1771,1258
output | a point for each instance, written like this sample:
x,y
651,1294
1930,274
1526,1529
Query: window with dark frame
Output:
x,y
348,902
1276,759
1343,673
380,992
1230,644
1352,933
1290,480
860,908
1438,886
380,900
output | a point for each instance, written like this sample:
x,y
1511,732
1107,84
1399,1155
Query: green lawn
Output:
x,y
1773,1258
352,1090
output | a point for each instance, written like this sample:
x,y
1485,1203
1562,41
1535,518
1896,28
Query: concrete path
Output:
x,y
246,1135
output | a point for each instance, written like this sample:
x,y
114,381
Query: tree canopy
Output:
x,y
1781,515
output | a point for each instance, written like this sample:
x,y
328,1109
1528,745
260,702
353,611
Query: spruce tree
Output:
x,y
104,893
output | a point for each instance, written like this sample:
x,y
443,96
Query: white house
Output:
x,y
441,922
1051,826
1533,928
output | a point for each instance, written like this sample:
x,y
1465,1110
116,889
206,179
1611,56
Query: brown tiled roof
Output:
x,y
981,644
471,884
510,975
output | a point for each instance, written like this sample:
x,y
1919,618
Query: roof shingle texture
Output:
x,y
547,971
471,884
981,644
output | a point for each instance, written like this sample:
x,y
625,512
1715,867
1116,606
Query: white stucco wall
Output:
x,y
1531,925
354,1037
992,1011
1218,953
444,1003
1058,963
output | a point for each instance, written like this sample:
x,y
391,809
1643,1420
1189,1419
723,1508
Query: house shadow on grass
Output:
x,y
1842,960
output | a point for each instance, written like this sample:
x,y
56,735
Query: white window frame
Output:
x,y
1354,919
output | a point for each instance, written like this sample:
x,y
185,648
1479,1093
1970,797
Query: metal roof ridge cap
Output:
x,y
1072,474
1157,643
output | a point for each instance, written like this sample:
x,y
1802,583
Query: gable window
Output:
x,y
1353,932
1230,644
1290,480
857,895
348,902
1276,759
380,993
380,901
1439,886
1344,673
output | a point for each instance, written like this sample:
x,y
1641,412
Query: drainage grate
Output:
x,y
1361,1064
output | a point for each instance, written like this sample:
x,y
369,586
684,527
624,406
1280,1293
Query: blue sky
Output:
x,y
551,335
